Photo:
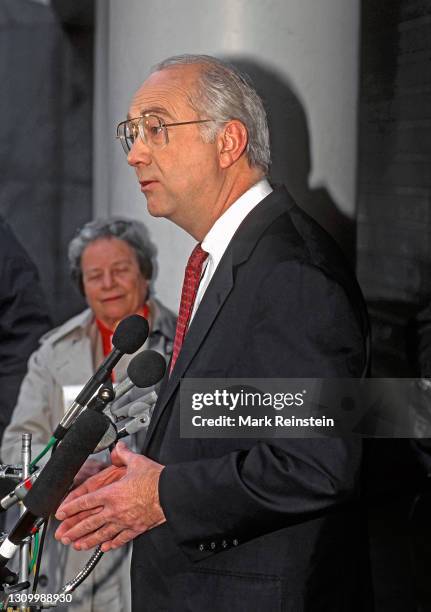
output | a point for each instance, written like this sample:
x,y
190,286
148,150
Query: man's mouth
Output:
x,y
146,184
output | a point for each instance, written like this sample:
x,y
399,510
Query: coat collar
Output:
x,y
78,324
238,251
76,362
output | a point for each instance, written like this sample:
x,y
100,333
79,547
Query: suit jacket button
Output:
x,y
212,545
201,547
235,542
224,544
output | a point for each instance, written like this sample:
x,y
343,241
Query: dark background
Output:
x,y
46,105
394,176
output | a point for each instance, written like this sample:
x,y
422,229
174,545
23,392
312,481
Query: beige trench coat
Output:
x,y
65,357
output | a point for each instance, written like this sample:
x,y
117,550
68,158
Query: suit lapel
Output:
x,y
218,290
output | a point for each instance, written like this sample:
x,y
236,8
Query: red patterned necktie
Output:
x,y
191,282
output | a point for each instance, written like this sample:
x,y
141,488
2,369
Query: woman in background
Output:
x,y
112,262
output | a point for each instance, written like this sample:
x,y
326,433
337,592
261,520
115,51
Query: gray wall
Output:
x,y
304,57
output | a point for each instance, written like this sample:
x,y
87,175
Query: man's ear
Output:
x,y
232,142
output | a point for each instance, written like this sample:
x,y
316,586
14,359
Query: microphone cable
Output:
x,y
39,553
73,584
51,442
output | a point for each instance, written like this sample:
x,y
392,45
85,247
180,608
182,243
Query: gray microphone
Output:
x,y
141,411
144,370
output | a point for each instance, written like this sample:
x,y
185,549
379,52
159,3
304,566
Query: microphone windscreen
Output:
x,y
146,368
130,334
109,437
57,476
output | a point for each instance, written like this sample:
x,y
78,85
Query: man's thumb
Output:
x,y
121,454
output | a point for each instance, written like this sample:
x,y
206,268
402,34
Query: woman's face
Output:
x,y
113,283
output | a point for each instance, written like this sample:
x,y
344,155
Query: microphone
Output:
x,y
143,411
56,477
144,370
129,336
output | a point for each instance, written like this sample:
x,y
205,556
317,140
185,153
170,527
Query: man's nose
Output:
x,y
140,153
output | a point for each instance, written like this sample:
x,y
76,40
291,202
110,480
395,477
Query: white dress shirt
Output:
x,y
218,238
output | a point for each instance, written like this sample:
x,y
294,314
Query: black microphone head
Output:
x,y
56,477
130,334
146,369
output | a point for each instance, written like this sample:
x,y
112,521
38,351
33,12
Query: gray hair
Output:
x,y
222,93
133,232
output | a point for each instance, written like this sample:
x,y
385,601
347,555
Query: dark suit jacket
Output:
x,y
260,524
23,319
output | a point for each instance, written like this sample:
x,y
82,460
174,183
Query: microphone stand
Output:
x,y
24,548
11,582
104,396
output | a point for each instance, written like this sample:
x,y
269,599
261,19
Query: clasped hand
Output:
x,y
113,506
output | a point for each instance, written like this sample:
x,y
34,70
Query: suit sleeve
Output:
x,y
303,326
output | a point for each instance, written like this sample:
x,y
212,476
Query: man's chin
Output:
x,y
155,212
155,207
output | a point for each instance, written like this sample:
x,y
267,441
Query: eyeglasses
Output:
x,y
151,129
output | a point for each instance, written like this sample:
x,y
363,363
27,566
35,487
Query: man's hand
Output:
x,y
90,467
113,506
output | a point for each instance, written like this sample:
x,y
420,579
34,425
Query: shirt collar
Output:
x,y
221,233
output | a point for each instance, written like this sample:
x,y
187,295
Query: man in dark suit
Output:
x,y
233,524
24,318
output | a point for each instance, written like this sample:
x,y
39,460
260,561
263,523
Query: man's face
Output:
x,y
180,180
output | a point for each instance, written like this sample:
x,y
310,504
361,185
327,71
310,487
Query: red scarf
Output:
x,y
107,333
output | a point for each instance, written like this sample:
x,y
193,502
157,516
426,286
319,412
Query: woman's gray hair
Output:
x,y
224,93
133,232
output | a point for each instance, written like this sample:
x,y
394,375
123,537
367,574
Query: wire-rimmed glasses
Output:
x,y
150,128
